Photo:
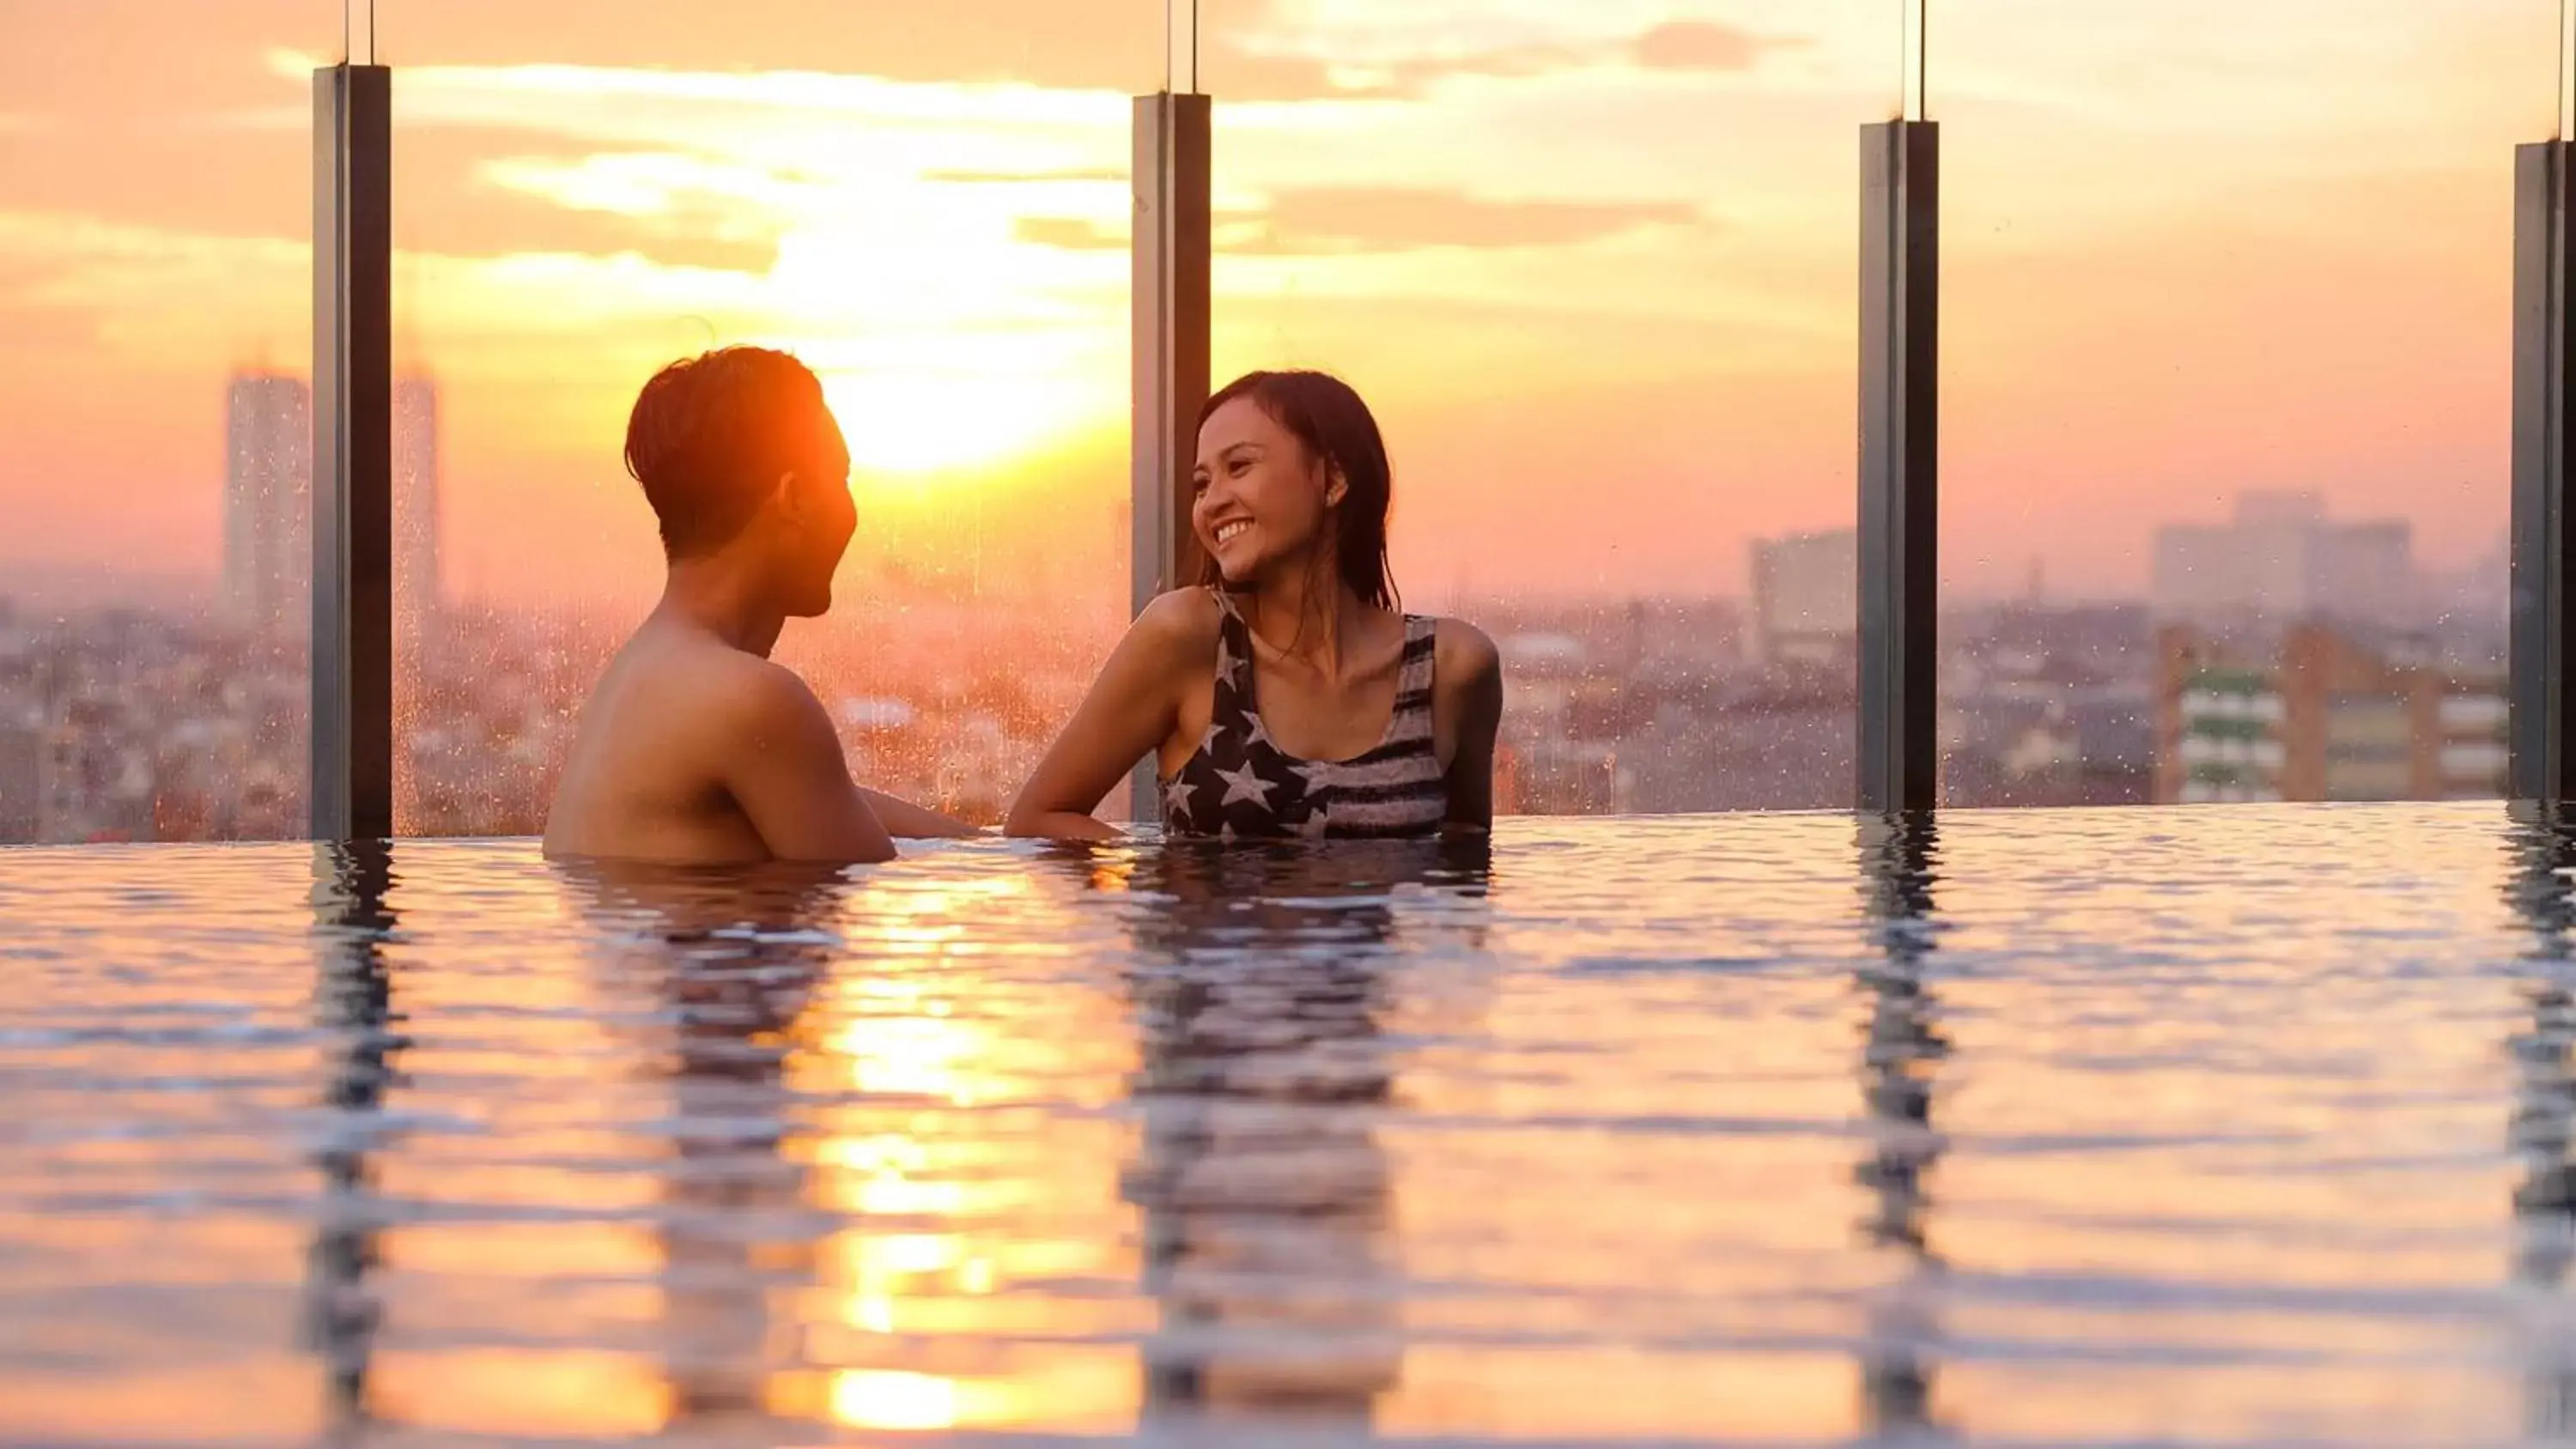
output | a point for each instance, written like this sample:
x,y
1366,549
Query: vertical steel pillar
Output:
x,y
2542,730
1172,256
1900,494
352,787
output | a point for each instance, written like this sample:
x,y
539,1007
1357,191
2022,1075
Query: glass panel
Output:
x,y
155,424
930,206
2226,400
1592,266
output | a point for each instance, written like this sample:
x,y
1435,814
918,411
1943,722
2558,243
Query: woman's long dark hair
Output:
x,y
1328,418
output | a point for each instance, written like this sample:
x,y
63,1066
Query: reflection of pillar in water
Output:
x,y
1265,1193
1168,1084
2544,1196
1901,1050
354,1004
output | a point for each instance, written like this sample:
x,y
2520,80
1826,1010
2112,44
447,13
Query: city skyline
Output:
x,y
121,723
1606,363
2256,557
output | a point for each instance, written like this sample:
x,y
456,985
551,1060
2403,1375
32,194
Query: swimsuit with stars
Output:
x,y
1239,785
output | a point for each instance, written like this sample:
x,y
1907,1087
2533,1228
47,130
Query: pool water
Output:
x,y
2223,1126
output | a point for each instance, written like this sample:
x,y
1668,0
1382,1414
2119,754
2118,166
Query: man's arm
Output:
x,y
783,765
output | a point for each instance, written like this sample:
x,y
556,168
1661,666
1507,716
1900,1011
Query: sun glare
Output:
x,y
929,422
935,365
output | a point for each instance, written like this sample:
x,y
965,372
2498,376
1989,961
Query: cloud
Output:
x,y
482,194
1360,220
1284,66
1705,46
1068,233
1236,72
1242,74
708,170
515,226
152,299
71,241
1039,42
1083,175
1338,219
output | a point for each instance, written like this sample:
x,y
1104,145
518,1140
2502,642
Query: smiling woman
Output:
x,y
580,203
1592,265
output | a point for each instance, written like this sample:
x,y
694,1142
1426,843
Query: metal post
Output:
x,y
1900,308
353,774
2542,733
1172,253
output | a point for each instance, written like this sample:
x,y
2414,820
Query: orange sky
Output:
x,y
1593,263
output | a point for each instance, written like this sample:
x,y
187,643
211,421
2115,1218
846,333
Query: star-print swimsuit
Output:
x,y
1239,785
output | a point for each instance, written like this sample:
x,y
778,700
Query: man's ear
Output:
x,y
784,496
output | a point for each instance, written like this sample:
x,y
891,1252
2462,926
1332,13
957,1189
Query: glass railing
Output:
x,y
2226,375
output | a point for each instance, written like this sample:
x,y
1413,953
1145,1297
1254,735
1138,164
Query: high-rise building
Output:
x,y
1806,597
268,518
2282,559
22,812
2321,718
417,594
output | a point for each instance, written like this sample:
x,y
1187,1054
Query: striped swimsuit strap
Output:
x,y
1238,696
1241,785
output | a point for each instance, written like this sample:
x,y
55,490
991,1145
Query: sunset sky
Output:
x,y
1593,263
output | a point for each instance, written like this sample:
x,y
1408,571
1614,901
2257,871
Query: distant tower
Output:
x,y
268,520
417,595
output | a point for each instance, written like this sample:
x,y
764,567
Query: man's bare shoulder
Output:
x,y
746,686
651,769
700,680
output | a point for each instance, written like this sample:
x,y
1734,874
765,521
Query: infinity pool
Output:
x,y
2227,1126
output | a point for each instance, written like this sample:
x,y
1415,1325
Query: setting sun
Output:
x,y
914,422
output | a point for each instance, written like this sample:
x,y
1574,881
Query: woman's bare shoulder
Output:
x,y
1463,652
1183,622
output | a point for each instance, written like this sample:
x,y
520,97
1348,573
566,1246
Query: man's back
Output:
x,y
692,750
695,748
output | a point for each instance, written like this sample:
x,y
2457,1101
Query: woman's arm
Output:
x,y
1133,707
1470,675
907,821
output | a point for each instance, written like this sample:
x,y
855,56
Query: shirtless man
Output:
x,y
695,748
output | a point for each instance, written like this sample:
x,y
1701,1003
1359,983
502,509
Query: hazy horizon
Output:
x,y
1594,267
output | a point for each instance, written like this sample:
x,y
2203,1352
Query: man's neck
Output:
x,y
710,596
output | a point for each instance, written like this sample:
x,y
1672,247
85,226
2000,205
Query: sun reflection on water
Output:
x,y
2136,1127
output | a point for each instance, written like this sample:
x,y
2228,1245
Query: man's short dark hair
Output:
x,y
711,435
